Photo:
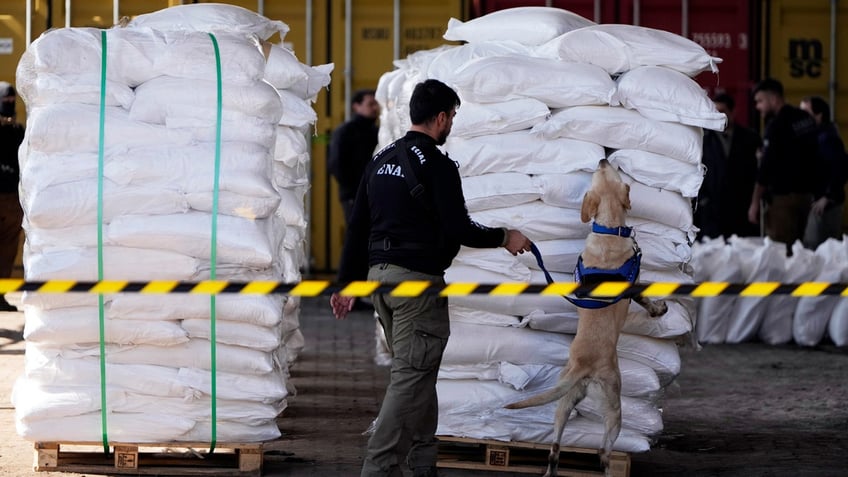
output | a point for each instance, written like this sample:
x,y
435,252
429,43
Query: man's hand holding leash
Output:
x,y
515,242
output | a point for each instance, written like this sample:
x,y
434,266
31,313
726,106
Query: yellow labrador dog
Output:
x,y
611,254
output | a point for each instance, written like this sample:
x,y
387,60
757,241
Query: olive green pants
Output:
x,y
417,332
786,217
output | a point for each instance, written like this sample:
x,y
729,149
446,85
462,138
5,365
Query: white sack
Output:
x,y
240,241
526,25
659,171
67,326
234,333
667,95
537,220
760,260
213,17
473,119
803,266
168,96
283,70
524,152
622,128
504,189
119,263
714,261
557,84
812,314
136,55
618,48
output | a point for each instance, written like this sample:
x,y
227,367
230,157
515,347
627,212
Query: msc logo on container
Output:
x,y
805,58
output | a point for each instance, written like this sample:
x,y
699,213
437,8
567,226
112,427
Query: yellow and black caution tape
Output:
x,y
313,288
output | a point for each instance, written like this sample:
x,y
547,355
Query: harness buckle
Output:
x,y
387,244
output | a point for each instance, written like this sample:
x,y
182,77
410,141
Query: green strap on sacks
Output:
x,y
100,307
214,249
214,245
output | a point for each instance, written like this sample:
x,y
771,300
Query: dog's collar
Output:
x,y
620,231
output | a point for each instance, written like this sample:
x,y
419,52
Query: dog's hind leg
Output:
x,y
566,404
610,388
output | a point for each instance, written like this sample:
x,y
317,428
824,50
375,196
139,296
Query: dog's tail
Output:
x,y
569,381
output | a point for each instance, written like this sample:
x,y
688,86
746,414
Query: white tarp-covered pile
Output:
x,y
774,319
545,95
155,211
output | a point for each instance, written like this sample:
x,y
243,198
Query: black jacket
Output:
x,y
791,161
11,136
351,148
832,151
725,194
424,234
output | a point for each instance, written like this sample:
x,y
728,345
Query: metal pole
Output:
x,y
684,18
396,39
597,11
636,10
348,76
67,13
260,7
308,199
28,22
116,7
832,83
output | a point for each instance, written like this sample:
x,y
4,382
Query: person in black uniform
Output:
x,y
825,220
408,223
11,214
352,146
730,157
790,174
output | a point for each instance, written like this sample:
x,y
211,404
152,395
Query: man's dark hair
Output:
x,y
430,98
360,95
725,99
769,85
819,106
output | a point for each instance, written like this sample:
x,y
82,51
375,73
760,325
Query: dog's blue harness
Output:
x,y
629,272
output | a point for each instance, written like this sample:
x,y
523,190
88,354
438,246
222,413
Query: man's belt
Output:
x,y
388,244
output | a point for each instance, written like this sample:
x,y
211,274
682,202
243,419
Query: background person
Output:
x,y
11,214
789,177
730,157
352,146
825,219
395,236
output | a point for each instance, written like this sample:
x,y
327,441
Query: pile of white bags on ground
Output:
x,y
163,186
537,115
775,319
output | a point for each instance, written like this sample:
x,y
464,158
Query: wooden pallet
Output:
x,y
525,457
172,458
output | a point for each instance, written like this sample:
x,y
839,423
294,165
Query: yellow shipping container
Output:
x,y
804,40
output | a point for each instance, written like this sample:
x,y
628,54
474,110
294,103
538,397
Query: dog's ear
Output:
x,y
625,199
590,206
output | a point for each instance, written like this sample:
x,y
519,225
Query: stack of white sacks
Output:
x,y
545,95
775,319
153,212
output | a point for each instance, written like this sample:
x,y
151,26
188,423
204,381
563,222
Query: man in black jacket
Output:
x,y
11,215
730,157
352,146
789,178
408,223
